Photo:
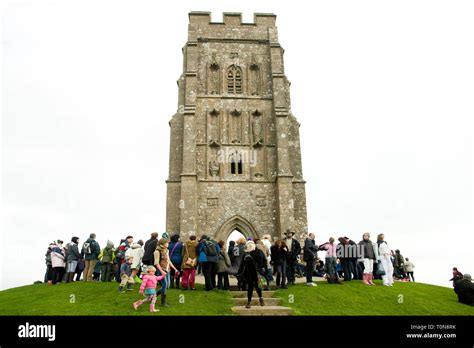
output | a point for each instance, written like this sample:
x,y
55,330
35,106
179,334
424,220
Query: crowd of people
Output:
x,y
254,262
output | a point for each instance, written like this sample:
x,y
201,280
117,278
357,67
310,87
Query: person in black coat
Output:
x,y
294,249
310,253
344,252
253,264
279,260
464,288
149,250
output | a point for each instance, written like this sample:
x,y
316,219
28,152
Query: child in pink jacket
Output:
x,y
148,288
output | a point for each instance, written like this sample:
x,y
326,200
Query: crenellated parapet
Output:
x,y
232,19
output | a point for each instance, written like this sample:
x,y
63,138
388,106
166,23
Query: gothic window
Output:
x,y
234,80
236,166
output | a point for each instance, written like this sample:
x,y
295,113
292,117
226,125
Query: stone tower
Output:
x,y
235,160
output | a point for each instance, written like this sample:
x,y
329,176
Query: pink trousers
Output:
x,y
188,276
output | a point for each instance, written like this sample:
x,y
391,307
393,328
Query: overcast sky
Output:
x,y
383,90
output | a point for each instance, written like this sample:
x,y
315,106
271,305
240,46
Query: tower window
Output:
x,y
234,80
236,167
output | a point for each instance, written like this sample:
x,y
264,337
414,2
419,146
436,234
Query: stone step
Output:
x,y
235,287
268,301
260,311
244,294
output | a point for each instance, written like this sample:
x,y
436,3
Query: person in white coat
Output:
x,y
136,251
409,268
266,239
385,260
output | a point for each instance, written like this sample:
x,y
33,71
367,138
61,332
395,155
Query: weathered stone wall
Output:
x,y
234,97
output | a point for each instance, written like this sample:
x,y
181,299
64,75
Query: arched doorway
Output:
x,y
235,228
233,236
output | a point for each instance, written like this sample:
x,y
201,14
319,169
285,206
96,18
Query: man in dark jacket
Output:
x,y
90,251
399,263
345,253
294,251
464,288
149,249
310,253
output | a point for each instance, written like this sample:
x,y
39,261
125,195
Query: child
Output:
x,y
148,288
125,275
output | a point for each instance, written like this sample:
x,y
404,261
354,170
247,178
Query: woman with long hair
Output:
x,y
279,260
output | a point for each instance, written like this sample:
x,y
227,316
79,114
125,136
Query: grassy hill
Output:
x,y
354,298
351,298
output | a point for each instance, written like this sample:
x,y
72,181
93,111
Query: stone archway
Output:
x,y
238,223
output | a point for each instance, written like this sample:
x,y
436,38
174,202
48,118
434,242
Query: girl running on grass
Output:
x,y
148,288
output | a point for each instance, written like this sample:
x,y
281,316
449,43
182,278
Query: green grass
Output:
x,y
95,298
354,298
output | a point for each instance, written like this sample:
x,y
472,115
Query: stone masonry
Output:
x,y
234,161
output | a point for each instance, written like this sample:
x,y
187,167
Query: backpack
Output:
x,y
210,248
87,248
120,254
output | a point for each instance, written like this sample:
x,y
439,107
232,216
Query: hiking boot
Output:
x,y
261,301
284,287
129,287
248,305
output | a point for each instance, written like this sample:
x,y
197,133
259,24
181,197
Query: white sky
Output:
x,y
383,90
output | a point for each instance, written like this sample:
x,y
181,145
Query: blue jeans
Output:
x,y
164,282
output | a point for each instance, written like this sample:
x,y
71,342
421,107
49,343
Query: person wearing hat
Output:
x,y
107,258
464,288
294,250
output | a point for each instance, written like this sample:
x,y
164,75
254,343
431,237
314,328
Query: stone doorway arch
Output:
x,y
238,223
